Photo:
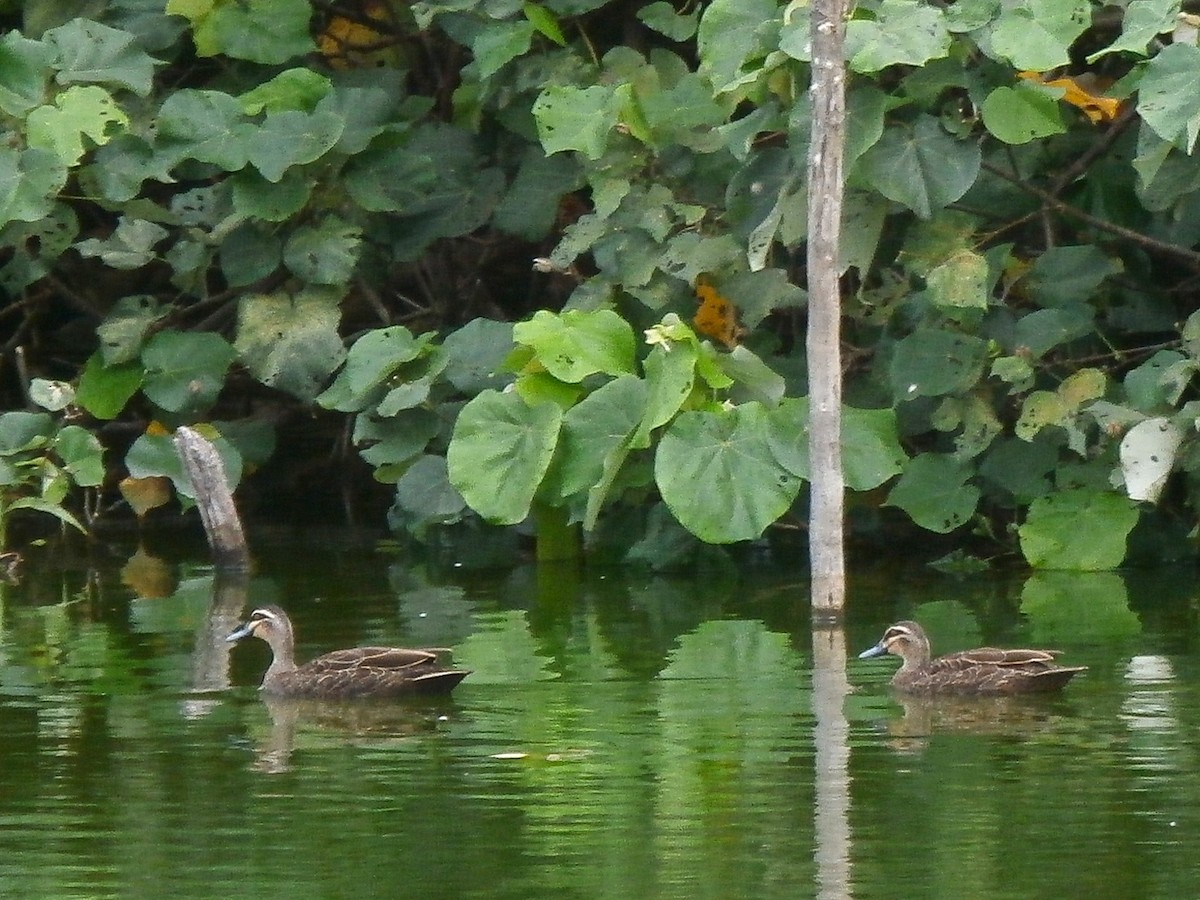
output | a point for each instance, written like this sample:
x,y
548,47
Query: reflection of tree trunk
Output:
x,y
214,499
210,658
832,818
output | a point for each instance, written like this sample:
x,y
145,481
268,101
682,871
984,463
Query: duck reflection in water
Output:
x,y
303,722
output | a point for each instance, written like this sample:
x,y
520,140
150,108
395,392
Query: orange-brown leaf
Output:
x,y
717,316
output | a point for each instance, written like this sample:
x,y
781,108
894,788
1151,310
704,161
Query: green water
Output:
x,y
622,736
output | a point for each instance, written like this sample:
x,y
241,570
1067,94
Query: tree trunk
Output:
x,y
825,190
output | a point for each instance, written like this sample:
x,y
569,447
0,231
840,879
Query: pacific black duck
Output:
x,y
987,670
343,674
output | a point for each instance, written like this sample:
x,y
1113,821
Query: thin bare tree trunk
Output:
x,y
825,190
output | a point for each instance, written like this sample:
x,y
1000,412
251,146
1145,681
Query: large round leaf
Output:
x,y
934,491
721,475
932,361
576,344
185,370
499,453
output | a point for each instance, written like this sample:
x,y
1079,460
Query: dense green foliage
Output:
x,y
233,194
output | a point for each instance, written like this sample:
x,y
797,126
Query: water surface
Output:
x,y
623,735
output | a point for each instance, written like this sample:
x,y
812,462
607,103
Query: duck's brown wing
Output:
x,y
385,658
991,670
334,680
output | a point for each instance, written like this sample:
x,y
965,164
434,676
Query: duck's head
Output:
x,y
268,623
906,640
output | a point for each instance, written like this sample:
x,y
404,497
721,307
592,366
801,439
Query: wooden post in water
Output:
x,y
214,498
825,192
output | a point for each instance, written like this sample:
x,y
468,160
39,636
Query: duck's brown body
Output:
x,y
987,670
345,674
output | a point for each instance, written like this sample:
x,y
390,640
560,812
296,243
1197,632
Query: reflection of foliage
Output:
x,y
244,185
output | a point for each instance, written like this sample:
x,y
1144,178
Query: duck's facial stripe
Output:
x,y
263,615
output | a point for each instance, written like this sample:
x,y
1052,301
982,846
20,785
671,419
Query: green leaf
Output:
x,y
263,31
291,342
425,497
207,126
961,282
1062,276
1039,410
728,475
758,294
931,362
326,253
670,374
1021,468
575,344
500,450
185,371
924,168
54,396
293,138
25,66
105,389
1044,329
49,507
297,89
29,183
1022,113
500,43
131,246
663,18
82,455
595,429
871,452
394,440
1038,34
372,360
475,355
21,431
571,118
734,37
1082,530
257,198
77,112
1144,20
545,22
125,326
530,206
905,32
753,378
1147,386
91,53
249,253
1167,99
934,492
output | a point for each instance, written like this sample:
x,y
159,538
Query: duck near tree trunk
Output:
x,y
987,670
344,674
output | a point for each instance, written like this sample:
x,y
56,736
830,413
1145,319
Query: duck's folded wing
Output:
x,y
388,658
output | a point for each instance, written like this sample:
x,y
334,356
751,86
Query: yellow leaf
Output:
x,y
145,494
717,316
1075,91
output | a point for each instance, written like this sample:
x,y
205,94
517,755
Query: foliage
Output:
x,y
237,193
41,459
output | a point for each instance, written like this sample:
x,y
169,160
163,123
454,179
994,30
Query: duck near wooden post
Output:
x,y
345,674
987,670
